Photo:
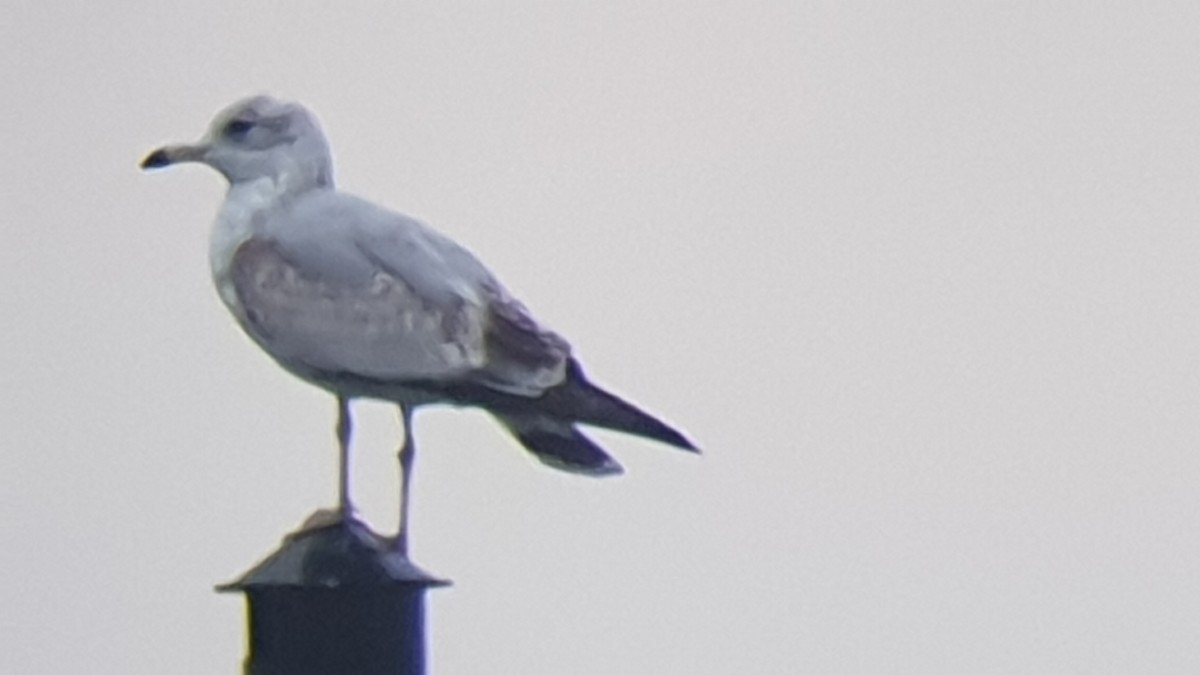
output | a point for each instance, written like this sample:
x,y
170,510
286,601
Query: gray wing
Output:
x,y
338,285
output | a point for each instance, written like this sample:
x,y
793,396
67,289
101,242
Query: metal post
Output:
x,y
335,598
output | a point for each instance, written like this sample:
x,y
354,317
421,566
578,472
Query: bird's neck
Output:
x,y
242,216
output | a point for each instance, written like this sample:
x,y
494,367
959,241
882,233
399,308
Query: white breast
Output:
x,y
238,220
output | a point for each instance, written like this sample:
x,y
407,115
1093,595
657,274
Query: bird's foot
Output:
x,y
324,518
400,544
345,511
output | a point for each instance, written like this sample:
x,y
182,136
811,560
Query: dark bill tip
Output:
x,y
156,160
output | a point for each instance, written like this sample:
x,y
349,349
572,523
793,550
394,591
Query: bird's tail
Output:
x,y
560,445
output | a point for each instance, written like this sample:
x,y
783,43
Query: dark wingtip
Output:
x,y
612,412
156,160
674,438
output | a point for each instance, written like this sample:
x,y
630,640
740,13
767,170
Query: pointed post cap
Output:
x,y
332,551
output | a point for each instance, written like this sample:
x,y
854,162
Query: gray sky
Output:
x,y
923,282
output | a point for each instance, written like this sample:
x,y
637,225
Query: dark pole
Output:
x,y
335,598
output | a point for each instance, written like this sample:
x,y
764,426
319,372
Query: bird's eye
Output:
x,y
236,129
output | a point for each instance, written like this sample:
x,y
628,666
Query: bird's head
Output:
x,y
258,137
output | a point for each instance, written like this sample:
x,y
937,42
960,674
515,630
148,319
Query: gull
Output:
x,y
365,302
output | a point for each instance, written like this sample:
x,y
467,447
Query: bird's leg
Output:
x,y
407,450
345,508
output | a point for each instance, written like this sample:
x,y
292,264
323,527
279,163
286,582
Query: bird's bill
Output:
x,y
173,154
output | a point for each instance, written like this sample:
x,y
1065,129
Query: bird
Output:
x,y
366,302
